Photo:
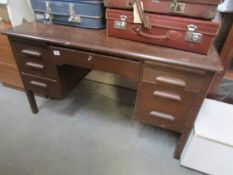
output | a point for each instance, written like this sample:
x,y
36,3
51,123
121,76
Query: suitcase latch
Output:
x,y
193,36
74,18
121,24
47,14
177,7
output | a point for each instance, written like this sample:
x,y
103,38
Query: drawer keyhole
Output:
x,y
90,58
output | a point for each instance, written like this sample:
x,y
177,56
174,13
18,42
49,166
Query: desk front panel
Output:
x,y
125,67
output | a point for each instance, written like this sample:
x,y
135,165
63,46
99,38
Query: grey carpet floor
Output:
x,y
91,132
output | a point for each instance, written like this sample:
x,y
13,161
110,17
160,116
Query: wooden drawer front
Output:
x,y
127,68
41,85
4,40
37,67
9,75
29,48
187,79
163,106
6,55
32,58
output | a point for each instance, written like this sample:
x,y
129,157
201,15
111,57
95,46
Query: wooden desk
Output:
x,y
172,83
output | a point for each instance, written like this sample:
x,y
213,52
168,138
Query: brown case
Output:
x,y
205,9
176,32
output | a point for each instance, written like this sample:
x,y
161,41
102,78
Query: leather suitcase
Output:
x,y
86,14
171,31
192,8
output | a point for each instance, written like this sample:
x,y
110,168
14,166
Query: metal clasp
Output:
x,y
193,36
47,14
73,16
177,7
121,24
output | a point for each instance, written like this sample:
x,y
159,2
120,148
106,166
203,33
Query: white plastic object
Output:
x,y
210,145
226,6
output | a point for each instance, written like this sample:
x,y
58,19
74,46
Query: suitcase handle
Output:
x,y
145,19
171,34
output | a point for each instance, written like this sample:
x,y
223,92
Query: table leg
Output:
x,y
193,114
226,57
180,146
32,101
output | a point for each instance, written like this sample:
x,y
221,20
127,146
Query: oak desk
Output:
x,y
172,84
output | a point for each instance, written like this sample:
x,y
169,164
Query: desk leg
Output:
x,y
226,57
32,101
193,114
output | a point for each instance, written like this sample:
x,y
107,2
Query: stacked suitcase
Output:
x,y
182,24
78,13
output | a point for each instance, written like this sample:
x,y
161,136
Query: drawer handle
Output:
x,y
34,65
162,116
38,84
31,53
172,81
167,95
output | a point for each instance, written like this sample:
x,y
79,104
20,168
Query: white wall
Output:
x,y
226,6
19,10
3,13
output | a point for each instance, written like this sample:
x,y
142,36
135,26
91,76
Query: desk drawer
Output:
x,y
124,67
163,106
29,48
37,67
185,78
32,58
41,85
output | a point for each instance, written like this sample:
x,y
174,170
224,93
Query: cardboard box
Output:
x,y
210,146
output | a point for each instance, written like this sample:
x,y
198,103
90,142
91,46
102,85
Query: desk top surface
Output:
x,y
97,41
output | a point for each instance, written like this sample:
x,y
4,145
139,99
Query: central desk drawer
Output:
x,y
41,85
128,68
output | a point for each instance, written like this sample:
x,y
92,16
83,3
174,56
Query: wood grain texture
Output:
x,y
40,74
124,67
197,103
9,75
172,83
147,102
96,41
8,70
